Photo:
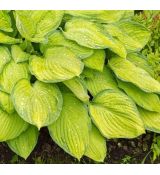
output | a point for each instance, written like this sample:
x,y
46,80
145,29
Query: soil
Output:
x,y
119,151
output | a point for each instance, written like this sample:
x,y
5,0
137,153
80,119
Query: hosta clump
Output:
x,y
81,74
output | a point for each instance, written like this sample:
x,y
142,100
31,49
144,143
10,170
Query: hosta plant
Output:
x,y
81,74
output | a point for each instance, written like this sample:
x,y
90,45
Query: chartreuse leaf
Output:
x,y
100,81
39,103
6,102
18,54
151,120
58,39
58,64
5,57
5,39
5,21
102,16
96,61
71,130
36,25
136,31
13,72
140,61
96,149
92,35
11,126
78,87
24,144
132,34
148,101
127,71
116,115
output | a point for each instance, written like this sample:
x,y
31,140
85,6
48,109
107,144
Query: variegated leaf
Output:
x,y
116,115
71,130
36,25
58,64
129,72
92,35
39,104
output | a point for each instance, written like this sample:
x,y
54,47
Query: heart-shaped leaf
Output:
x,y
58,64
35,25
116,115
71,130
39,103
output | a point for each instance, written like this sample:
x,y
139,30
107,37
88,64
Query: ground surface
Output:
x,y
119,151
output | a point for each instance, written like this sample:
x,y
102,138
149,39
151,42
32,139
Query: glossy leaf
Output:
x,y
5,57
36,25
57,39
96,60
11,74
132,34
151,120
24,144
92,35
39,104
148,101
8,122
128,72
96,149
100,81
116,115
71,130
78,87
58,64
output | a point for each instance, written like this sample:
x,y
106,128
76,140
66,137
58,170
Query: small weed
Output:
x,y
126,160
